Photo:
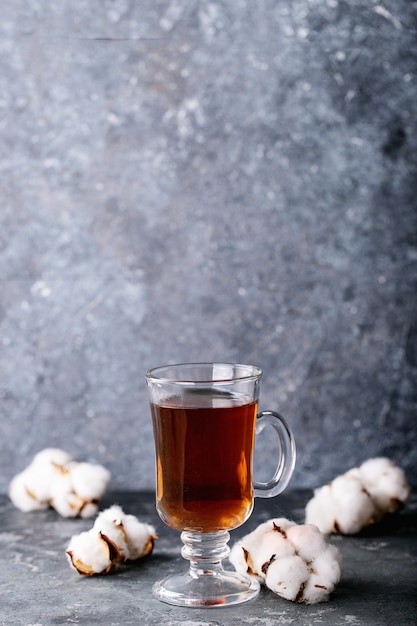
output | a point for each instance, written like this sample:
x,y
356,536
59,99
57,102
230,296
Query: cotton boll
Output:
x,y
89,553
41,479
358,498
45,467
88,509
113,513
89,481
241,560
280,523
30,490
53,479
287,577
67,504
21,495
113,531
51,456
325,573
316,579
65,501
76,492
251,554
294,561
343,506
140,537
321,510
307,540
273,544
386,484
355,508
114,537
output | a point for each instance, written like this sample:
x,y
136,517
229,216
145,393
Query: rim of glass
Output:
x,y
253,372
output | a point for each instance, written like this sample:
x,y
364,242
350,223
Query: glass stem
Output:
x,y
205,551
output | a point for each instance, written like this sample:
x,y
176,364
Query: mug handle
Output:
x,y
286,455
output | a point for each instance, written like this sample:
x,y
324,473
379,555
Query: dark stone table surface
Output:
x,y
38,588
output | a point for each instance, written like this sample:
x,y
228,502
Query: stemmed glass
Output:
x,y
205,418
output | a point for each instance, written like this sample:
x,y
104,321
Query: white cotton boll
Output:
x,y
88,553
293,560
45,467
321,510
114,537
53,479
343,506
43,476
74,489
88,509
113,531
89,481
67,504
307,540
386,483
32,491
62,497
140,537
326,570
51,456
358,498
21,496
272,544
278,522
113,513
252,553
355,508
241,560
329,564
287,577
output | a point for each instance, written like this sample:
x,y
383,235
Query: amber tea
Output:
x,y
204,462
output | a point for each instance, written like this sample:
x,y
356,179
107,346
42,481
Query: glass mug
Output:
x,y
205,418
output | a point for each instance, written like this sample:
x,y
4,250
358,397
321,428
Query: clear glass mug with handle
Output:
x,y
205,419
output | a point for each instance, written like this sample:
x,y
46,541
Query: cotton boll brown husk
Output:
x,y
358,498
295,561
114,537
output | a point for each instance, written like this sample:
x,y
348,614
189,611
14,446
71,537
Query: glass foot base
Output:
x,y
207,590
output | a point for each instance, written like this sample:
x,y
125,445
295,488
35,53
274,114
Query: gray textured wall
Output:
x,y
208,180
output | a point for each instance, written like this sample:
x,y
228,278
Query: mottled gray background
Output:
x,y
190,180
